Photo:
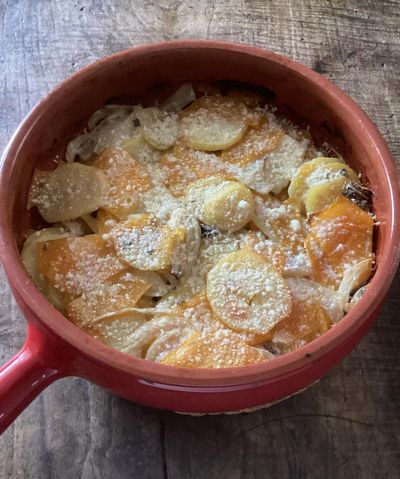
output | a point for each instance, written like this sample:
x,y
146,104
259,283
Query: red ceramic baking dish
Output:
x,y
55,348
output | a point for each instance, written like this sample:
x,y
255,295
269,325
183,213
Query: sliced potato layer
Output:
x,y
114,331
322,195
319,182
314,310
105,221
281,164
247,293
139,342
29,255
272,252
107,301
306,291
354,277
213,123
128,181
29,249
77,265
160,128
145,243
316,169
222,204
202,232
183,166
138,147
166,342
306,322
281,222
215,349
340,237
256,144
186,251
69,191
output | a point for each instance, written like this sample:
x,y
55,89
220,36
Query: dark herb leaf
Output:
x,y
208,232
358,194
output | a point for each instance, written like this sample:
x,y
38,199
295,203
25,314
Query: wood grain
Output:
x,y
346,426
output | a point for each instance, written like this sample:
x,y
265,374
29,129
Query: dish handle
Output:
x,y
25,376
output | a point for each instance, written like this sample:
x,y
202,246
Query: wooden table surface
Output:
x,y
346,426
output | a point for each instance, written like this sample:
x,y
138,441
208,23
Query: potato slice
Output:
x,y
354,277
29,249
212,249
306,322
271,251
145,243
186,252
315,172
213,123
210,132
214,349
140,340
105,221
128,181
268,167
176,296
157,285
166,342
222,204
194,281
332,170
299,184
340,237
140,149
247,293
322,195
183,166
107,301
229,208
30,259
160,128
314,310
230,106
77,265
114,331
282,163
304,290
69,191
281,222
286,261
196,313
256,144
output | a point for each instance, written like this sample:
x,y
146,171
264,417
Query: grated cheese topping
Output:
x,y
202,233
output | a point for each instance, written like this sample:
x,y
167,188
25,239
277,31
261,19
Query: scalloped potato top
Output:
x,y
205,232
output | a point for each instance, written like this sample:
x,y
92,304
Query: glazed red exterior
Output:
x,y
55,348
